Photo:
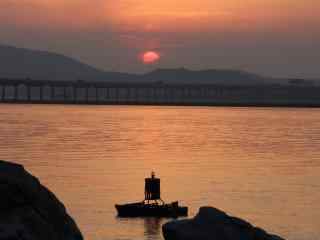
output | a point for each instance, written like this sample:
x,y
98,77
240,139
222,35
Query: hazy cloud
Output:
x,y
279,38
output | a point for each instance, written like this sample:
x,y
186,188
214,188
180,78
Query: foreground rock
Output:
x,y
213,224
29,211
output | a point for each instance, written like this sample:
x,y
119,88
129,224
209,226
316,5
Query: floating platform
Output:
x,y
153,205
142,209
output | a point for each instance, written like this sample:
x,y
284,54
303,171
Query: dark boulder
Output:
x,y
29,211
213,224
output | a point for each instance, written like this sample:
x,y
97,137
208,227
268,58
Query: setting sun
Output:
x,y
150,57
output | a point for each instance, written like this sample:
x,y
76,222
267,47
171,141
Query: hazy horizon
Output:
x,y
220,99
277,38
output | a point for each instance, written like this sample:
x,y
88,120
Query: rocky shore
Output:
x,y
213,224
29,211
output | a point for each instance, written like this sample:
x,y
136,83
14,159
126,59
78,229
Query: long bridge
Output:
x,y
85,92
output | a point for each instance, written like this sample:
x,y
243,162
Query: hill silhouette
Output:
x,y
210,76
42,65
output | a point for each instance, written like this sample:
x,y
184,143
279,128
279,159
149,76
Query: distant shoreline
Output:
x,y
225,104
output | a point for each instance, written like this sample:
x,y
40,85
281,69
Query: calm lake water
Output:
x,y
261,164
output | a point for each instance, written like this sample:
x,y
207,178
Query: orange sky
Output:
x,y
162,15
166,25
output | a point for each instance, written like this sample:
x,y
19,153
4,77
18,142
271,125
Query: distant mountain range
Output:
x,y
41,65
226,77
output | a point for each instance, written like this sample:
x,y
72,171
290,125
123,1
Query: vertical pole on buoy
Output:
x,y
152,188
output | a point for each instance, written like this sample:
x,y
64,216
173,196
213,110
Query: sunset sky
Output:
x,y
276,37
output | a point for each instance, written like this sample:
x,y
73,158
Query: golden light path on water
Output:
x,y
261,164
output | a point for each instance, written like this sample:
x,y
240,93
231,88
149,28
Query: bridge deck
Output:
x,y
77,92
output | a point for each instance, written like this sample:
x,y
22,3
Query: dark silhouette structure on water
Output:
x,y
152,205
83,92
152,190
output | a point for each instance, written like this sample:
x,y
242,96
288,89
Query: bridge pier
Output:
x,y
186,95
64,90
167,94
127,95
74,93
28,93
41,93
15,93
86,95
117,100
155,95
107,94
136,95
203,94
179,95
97,94
52,93
2,95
